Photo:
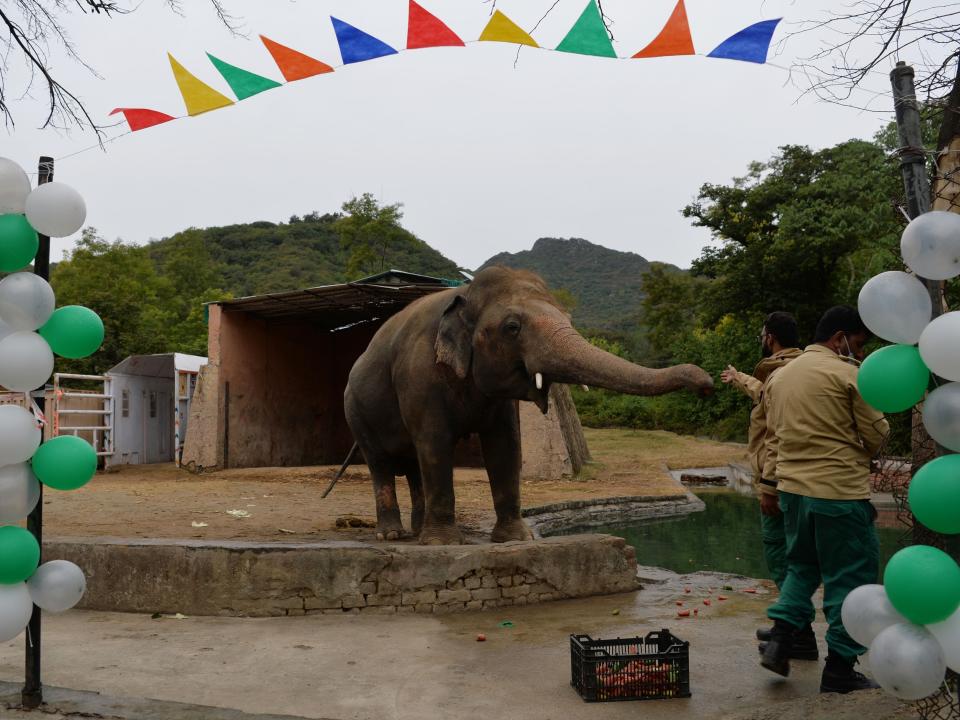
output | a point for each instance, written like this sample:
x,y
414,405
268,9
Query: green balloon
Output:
x,y
18,243
19,554
73,331
923,584
893,378
935,495
65,463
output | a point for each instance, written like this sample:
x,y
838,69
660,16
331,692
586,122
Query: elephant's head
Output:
x,y
507,331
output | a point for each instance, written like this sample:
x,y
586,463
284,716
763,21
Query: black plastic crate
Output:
x,y
642,668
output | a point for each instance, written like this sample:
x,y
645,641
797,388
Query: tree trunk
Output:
x,y
570,427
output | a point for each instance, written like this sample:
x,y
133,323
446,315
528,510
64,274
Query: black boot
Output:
x,y
840,677
804,644
763,634
776,654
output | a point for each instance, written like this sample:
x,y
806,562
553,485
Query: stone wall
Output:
x,y
597,512
249,579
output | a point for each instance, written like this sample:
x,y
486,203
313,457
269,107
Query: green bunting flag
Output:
x,y
243,82
589,35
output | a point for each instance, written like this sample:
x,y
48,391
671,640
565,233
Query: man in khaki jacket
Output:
x,y
778,341
824,437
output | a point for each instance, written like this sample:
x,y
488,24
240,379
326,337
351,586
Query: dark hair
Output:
x,y
841,318
783,326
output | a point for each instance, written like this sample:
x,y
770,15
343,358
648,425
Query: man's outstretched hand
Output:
x,y
729,375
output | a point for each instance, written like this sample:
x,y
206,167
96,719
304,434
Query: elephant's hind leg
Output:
x,y
389,525
415,481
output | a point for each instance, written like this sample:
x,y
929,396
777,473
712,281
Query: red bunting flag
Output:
x,y
426,30
140,118
294,65
674,39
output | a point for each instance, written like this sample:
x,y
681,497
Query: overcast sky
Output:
x,y
485,156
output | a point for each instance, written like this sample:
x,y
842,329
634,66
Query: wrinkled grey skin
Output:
x,y
454,363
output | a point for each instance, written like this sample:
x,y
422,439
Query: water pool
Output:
x,y
723,538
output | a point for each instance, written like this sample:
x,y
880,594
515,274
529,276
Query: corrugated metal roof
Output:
x,y
334,306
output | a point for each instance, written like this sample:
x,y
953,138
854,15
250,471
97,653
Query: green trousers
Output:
x,y
775,553
828,541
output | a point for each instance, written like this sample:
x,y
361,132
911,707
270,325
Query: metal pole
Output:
x,y
31,695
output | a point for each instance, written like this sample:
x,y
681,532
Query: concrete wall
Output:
x,y
247,579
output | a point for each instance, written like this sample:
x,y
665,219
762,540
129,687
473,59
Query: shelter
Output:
x,y
272,392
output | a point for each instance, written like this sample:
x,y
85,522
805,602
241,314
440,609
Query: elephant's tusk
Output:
x,y
585,388
539,378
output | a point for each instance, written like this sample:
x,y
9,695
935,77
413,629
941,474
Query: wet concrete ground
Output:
x,y
406,667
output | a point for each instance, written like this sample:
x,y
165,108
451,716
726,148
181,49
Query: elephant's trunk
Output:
x,y
566,357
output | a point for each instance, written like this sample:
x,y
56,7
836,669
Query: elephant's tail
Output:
x,y
342,470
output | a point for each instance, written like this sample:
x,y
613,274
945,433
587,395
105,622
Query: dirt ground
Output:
x,y
284,504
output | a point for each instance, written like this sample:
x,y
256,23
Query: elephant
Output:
x,y
455,363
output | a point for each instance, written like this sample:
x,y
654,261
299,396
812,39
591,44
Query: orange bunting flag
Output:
x,y
197,95
674,39
141,118
503,29
294,65
426,30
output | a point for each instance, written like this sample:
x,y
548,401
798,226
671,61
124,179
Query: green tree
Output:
x,y
366,233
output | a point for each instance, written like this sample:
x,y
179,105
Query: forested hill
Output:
x,y
265,257
606,284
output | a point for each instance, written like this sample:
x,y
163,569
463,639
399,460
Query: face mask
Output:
x,y
848,356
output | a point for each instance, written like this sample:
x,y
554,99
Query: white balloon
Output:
x,y
57,585
941,415
19,492
947,634
16,607
940,346
26,301
55,209
26,361
930,245
19,435
866,612
895,306
14,187
4,329
907,661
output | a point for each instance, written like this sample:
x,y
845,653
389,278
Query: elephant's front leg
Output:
x,y
501,454
439,517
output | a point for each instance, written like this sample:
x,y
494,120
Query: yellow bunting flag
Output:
x,y
503,29
197,95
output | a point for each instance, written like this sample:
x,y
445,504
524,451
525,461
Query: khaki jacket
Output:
x,y
824,433
752,386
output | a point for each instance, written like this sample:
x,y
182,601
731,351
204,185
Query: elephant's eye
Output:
x,y
511,327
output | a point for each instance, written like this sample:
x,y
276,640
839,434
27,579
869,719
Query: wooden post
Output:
x,y
31,696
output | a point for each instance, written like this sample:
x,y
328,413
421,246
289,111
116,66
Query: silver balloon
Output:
x,y
947,634
26,361
941,415
866,612
14,187
930,245
940,346
907,661
55,209
19,492
16,607
895,306
57,585
19,435
26,301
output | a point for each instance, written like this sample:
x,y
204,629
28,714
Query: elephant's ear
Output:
x,y
453,338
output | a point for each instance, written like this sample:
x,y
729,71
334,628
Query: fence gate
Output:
x,y
86,413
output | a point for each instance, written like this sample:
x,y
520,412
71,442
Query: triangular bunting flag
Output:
x,y
197,95
503,29
674,39
750,44
356,45
589,35
425,30
141,118
294,65
243,82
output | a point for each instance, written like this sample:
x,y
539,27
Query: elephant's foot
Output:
x,y
416,520
389,531
513,529
441,535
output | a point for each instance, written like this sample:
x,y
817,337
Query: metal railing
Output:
x,y
102,434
